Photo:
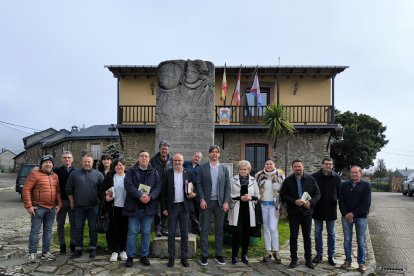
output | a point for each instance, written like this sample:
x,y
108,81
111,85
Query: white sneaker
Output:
x,y
123,256
33,258
48,256
114,257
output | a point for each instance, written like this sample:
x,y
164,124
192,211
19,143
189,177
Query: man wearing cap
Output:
x,y
63,173
83,189
41,198
161,161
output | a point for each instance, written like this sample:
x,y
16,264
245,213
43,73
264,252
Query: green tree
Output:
x,y
277,120
114,149
363,139
380,170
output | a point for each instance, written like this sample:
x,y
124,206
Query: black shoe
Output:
x,y
72,247
144,261
170,262
92,253
184,262
77,253
62,249
317,259
164,233
204,261
158,233
293,263
129,262
331,261
267,258
220,260
234,260
244,259
309,264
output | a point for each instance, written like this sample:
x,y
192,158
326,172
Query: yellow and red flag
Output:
x,y
224,84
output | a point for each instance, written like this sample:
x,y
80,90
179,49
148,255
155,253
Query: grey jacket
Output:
x,y
204,183
84,186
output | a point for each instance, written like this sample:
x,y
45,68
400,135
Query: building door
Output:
x,y
256,154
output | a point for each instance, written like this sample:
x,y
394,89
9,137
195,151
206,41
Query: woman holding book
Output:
x,y
113,185
244,191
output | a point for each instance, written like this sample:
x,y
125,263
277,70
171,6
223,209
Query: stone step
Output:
x,y
160,246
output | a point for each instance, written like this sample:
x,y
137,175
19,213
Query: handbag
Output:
x,y
257,230
102,224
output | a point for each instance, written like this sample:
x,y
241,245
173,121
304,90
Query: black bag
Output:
x,y
257,231
102,225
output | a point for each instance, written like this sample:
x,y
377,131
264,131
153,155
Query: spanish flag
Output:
x,y
224,85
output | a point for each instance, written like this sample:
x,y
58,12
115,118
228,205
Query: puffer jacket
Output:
x,y
41,189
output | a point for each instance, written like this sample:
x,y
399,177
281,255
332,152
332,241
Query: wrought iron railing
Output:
x,y
298,114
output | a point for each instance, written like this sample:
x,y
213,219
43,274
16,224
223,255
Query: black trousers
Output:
x,y
241,234
118,229
305,222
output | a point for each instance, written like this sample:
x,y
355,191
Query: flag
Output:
x,y
224,84
256,89
236,94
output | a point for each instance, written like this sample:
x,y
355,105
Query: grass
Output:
x,y
256,248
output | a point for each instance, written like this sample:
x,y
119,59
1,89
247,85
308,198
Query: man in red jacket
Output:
x,y
41,198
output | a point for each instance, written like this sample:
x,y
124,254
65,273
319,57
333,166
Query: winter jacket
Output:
x,y
157,164
329,186
276,179
133,206
41,189
85,187
289,194
355,199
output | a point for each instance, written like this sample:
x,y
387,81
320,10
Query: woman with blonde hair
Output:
x,y
270,180
244,191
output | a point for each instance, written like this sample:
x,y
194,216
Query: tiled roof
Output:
x,y
95,131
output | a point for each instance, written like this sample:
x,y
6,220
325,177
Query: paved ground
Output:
x,y
391,226
13,260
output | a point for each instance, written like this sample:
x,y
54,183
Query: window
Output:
x,y
256,154
252,102
95,151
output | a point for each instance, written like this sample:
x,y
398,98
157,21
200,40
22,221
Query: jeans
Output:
x,y
81,214
330,227
270,232
135,224
361,228
61,220
46,217
305,222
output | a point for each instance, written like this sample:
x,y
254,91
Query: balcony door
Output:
x,y
256,154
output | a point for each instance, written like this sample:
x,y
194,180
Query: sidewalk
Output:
x,y
13,260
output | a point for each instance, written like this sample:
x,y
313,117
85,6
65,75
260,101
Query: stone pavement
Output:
x,y
13,260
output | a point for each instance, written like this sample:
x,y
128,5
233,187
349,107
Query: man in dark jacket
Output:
x,y
354,203
300,210
63,173
326,209
162,162
143,187
83,189
192,166
176,196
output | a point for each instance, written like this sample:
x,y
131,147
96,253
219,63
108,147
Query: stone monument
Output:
x,y
185,106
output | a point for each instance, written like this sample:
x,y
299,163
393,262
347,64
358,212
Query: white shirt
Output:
x,y
178,185
119,190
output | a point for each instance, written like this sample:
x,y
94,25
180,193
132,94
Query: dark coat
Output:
x,y
355,199
329,186
289,193
63,175
133,206
168,190
158,165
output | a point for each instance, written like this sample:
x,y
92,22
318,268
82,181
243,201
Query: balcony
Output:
x,y
239,115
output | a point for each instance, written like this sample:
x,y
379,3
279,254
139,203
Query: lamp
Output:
x,y
295,87
152,88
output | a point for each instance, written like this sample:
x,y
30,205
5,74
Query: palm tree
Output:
x,y
277,120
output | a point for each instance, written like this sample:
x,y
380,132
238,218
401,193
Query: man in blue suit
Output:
x,y
213,186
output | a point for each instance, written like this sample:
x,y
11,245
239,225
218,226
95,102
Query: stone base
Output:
x,y
160,247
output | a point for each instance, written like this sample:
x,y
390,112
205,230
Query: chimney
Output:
x,y
74,129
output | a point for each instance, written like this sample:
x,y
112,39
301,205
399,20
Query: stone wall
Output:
x,y
134,142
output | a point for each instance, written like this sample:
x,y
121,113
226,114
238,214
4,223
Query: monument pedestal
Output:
x,y
160,247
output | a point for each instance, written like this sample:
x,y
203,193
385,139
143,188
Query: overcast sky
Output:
x,y
52,55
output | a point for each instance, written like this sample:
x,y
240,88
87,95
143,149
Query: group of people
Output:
x,y
169,193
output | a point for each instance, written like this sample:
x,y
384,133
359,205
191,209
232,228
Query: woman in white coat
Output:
x,y
270,181
244,191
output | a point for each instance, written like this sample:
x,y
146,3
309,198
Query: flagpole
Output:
x,y
235,85
250,84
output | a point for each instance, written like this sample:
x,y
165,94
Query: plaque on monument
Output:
x,y
185,106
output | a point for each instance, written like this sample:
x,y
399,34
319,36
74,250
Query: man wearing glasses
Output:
x,y
326,209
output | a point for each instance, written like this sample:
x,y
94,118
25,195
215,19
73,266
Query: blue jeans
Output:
x,y
81,214
135,224
46,217
361,228
330,227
